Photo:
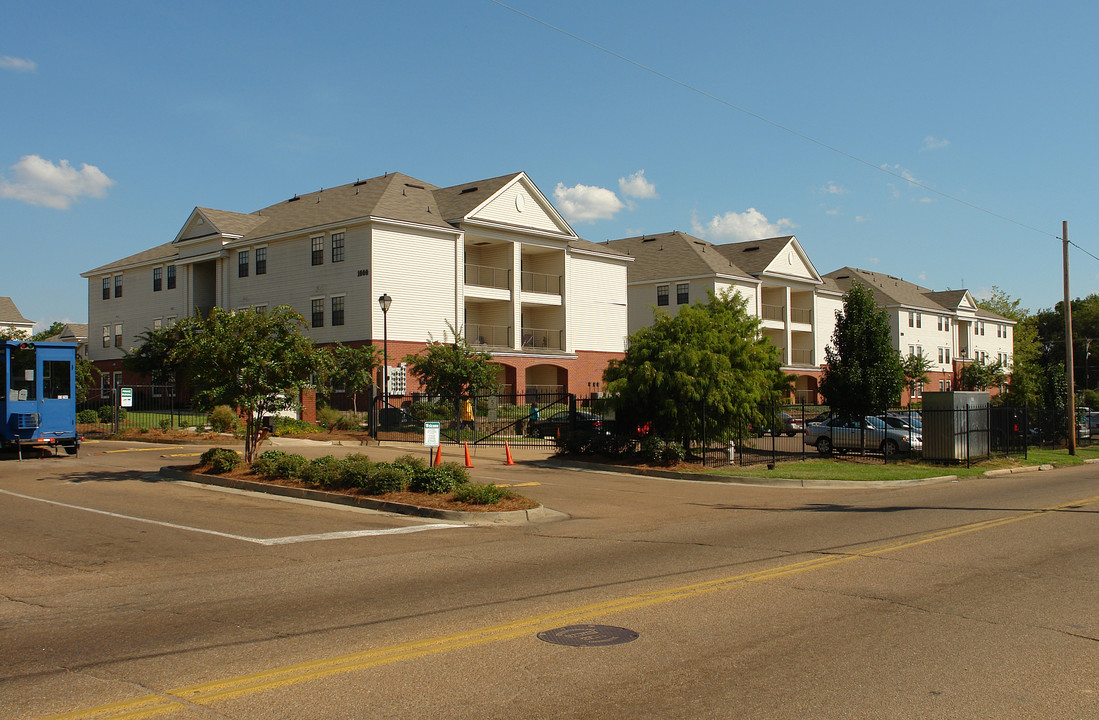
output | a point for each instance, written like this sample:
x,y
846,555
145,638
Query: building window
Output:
x,y
261,261
260,309
242,263
337,247
337,311
318,250
682,293
661,294
171,277
911,319
318,312
946,323
919,320
106,288
942,385
157,279
919,350
948,386
156,324
118,335
106,336
118,286
947,352
941,355
169,321
911,350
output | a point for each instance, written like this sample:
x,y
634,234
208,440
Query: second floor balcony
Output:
x,y
488,335
488,276
541,283
543,339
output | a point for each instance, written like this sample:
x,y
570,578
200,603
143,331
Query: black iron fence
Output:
x,y
106,411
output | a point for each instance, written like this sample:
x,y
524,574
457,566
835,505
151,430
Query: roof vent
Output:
x,y
843,277
468,190
648,239
361,182
750,249
418,187
294,199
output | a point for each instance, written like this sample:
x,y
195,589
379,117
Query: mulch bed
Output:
x,y
441,501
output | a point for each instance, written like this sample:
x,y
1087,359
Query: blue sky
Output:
x,y
120,117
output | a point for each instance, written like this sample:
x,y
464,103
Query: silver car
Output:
x,y
868,434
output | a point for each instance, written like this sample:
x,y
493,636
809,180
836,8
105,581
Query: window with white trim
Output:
x,y
337,247
337,310
317,250
318,312
662,294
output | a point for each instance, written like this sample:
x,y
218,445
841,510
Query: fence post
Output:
x,y
115,399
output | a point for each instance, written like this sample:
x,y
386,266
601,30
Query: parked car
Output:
x,y
558,423
904,421
867,434
787,425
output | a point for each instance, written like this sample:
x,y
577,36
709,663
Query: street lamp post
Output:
x,y
384,302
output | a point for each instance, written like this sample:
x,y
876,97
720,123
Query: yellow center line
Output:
x,y
194,454
206,693
152,449
525,484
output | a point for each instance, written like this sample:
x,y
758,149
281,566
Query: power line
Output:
x,y
780,126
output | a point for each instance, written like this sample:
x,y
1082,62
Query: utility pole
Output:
x,y
1071,405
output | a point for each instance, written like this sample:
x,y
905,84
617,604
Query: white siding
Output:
x,y
824,326
138,307
504,209
595,304
418,271
788,262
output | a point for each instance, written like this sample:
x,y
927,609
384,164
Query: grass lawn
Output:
x,y
831,469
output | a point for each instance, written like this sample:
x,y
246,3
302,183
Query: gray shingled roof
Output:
x,y
9,313
457,201
160,252
754,257
232,223
674,254
892,291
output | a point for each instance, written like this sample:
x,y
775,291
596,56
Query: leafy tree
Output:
x,y
864,374
55,328
979,375
709,356
353,368
256,362
451,369
156,356
1004,305
87,377
916,368
10,333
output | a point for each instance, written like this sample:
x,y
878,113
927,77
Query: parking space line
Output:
x,y
286,540
152,449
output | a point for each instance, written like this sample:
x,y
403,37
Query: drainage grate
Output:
x,y
588,635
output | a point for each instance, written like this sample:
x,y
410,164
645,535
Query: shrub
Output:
x,y
411,463
87,416
267,462
459,473
293,426
576,442
166,424
220,460
222,419
106,413
672,453
323,471
659,450
332,419
441,479
387,477
355,471
479,494
290,467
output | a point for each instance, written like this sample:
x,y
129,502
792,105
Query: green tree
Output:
x,y
709,360
863,374
979,375
156,356
87,377
54,329
10,333
353,368
453,370
916,368
255,362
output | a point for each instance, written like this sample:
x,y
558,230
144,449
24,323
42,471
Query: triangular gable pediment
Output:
x,y
520,203
198,226
791,261
205,223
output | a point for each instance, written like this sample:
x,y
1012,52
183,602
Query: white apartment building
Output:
x,y
796,307
946,327
492,257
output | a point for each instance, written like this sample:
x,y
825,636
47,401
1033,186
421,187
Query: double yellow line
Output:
x,y
207,693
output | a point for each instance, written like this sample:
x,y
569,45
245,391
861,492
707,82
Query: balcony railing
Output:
x,y
801,357
491,335
487,276
540,283
774,312
801,315
540,338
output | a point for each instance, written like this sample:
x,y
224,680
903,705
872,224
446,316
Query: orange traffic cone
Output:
x,y
439,454
469,463
508,451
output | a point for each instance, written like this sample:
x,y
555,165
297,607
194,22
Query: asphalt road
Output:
x,y
122,595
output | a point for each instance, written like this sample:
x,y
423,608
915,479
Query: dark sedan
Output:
x,y
559,422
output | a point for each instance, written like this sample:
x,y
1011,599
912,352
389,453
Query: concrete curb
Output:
x,y
510,517
1016,471
740,480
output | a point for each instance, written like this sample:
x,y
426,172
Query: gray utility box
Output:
x,y
955,425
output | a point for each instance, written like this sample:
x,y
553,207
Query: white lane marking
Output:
x,y
287,540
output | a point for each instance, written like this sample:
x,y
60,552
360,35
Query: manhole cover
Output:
x,y
588,635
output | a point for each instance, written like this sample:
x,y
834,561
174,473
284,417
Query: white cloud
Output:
x,y
833,211
831,188
875,261
586,203
8,62
862,218
40,182
748,225
933,143
637,186
900,172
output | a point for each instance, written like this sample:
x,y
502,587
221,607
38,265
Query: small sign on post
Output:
x,y
126,398
431,439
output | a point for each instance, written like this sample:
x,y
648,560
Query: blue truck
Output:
x,y
39,402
